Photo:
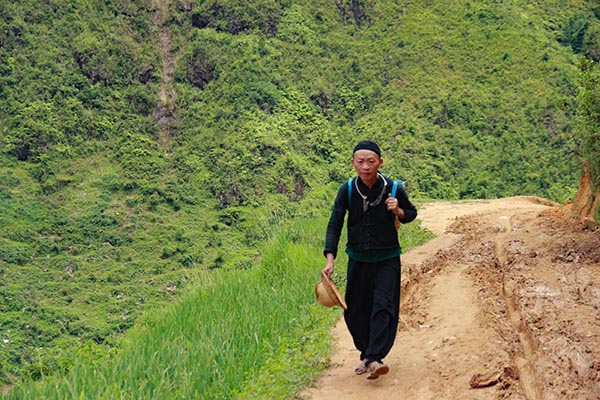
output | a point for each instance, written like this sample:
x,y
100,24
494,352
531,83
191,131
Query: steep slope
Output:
x,y
457,94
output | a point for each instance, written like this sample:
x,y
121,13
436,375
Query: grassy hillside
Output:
x,y
144,143
243,334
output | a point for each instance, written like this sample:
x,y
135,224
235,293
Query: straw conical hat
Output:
x,y
328,294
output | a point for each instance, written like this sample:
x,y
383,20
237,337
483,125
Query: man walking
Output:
x,y
374,202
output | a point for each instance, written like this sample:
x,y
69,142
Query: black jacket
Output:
x,y
372,229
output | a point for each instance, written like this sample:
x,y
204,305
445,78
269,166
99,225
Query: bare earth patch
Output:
x,y
503,304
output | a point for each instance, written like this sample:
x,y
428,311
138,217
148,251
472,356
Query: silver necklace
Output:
x,y
376,202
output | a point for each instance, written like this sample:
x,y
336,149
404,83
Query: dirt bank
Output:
x,y
586,201
503,304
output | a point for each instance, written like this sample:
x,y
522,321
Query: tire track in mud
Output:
x,y
522,360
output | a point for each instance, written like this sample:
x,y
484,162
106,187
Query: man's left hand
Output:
x,y
392,205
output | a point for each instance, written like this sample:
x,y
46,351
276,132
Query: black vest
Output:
x,y
374,228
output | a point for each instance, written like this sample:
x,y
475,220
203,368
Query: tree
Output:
x,y
589,119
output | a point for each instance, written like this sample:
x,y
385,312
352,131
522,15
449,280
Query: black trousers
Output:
x,y
373,299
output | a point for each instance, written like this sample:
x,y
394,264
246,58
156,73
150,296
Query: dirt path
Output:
x,y
503,304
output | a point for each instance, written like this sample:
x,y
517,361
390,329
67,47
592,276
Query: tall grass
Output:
x,y
247,334
214,341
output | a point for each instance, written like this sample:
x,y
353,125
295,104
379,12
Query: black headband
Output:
x,y
367,145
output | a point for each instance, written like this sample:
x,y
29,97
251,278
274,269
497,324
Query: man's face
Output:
x,y
366,163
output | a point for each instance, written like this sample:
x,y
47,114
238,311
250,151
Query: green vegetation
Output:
x,y
115,201
242,334
589,119
588,127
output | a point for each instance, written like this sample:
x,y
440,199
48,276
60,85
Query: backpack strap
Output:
x,y
349,184
349,191
393,194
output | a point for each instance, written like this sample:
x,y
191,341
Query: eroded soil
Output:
x,y
503,304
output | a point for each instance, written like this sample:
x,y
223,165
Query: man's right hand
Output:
x,y
329,267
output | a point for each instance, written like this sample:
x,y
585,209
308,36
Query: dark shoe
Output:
x,y
376,369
